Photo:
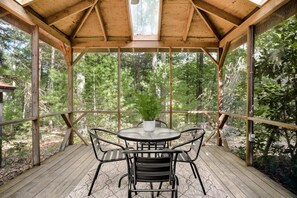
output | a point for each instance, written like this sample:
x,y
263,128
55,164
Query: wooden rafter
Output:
x,y
25,15
83,20
98,13
129,19
210,56
160,19
67,12
3,12
188,24
202,5
268,8
209,24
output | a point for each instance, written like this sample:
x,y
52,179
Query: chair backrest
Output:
x,y
158,123
151,165
194,143
100,142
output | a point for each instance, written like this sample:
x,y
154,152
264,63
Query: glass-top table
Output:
x,y
139,135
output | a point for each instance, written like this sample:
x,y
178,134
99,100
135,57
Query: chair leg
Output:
x,y
199,179
192,164
120,181
95,177
160,186
152,193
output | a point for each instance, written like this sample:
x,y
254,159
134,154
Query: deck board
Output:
x,y
61,174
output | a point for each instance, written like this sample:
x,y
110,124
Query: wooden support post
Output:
x,y
220,93
70,89
1,101
250,95
170,87
119,88
35,97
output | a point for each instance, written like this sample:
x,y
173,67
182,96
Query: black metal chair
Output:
x,y
103,151
190,150
151,166
154,145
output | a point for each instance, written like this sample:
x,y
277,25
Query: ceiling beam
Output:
x,y
266,10
95,43
206,7
160,19
188,24
83,20
3,12
26,2
18,11
67,12
209,24
97,9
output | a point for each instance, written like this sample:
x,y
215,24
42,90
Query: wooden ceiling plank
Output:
x,y
67,12
83,20
129,19
160,19
210,56
95,43
188,24
208,23
26,2
206,7
267,9
97,9
18,11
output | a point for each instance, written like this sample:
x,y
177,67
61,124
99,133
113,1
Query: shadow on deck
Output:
x,y
69,174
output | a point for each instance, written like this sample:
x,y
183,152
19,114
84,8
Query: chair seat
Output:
x,y
113,155
183,157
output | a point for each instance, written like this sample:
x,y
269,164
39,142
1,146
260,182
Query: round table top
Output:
x,y
139,135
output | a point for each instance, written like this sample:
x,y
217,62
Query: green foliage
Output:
x,y
148,105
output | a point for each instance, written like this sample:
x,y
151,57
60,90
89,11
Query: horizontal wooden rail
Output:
x,y
17,121
53,114
263,121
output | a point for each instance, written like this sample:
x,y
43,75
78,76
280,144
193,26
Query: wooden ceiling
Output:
x,y
105,24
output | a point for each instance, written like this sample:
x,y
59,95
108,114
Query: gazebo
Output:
x,y
85,26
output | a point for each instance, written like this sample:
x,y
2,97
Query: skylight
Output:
x,y
145,18
259,2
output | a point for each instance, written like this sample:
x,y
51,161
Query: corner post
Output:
x,y
170,87
35,97
119,89
70,89
220,93
250,94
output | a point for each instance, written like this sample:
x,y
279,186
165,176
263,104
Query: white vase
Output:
x,y
149,125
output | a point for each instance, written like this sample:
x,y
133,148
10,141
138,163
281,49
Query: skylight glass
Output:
x,y
258,2
145,18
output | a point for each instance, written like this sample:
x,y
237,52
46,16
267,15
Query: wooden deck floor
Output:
x,y
65,174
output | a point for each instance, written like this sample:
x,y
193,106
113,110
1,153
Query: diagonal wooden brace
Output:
x,y
69,130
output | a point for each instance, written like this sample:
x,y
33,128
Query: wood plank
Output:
x,y
257,191
240,165
26,2
17,10
206,7
28,176
57,174
188,23
262,13
216,169
80,56
129,20
67,12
